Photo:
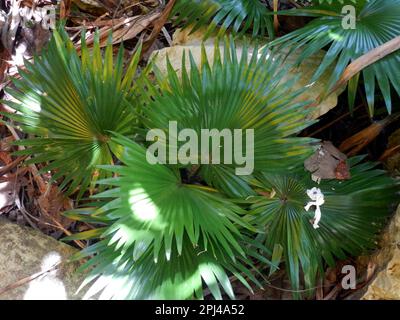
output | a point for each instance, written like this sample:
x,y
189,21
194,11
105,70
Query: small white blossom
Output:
x,y
318,200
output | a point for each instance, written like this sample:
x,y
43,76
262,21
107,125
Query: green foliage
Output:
x,y
238,15
163,231
164,237
70,103
164,234
162,218
234,92
377,22
353,212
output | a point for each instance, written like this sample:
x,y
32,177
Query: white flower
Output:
x,y
318,200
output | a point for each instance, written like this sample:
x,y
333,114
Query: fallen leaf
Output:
x,y
125,29
52,203
328,163
351,146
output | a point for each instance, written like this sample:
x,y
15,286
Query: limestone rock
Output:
x,y
392,162
185,42
386,285
25,252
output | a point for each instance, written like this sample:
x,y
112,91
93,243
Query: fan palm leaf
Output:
x,y
376,23
353,213
180,277
157,218
238,15
69,103
162,238
236,93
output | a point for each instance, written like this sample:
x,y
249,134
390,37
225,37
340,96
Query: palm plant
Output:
x,y
353,213
233,93
237,15
164,230
377,22
64,100
162,236
162,215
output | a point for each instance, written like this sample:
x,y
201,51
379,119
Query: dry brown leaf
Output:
x,y
91,6
11,165
124,29
52,203
328,163
5,143
5,157
158,25
65,7
360,140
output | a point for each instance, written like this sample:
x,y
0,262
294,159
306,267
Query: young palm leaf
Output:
x,y
376,22
238,15
69,104
162,237
243,93
353,213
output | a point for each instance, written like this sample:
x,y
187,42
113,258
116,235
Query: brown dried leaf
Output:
x,y
158,25
125,29
5,157
351,146
5,143
52,203
65,7
328,163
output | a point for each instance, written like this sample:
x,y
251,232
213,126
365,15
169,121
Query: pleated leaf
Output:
x,y
69,103
237,15
243,93
354,212
163,237
376,22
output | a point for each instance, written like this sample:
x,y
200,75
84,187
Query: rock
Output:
x,y
25,252
386,284
392,160
185,42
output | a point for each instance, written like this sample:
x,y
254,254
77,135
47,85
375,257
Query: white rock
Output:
x,y
386,284
25,252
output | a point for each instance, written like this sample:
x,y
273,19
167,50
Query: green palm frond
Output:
x,y
157,214
162,208
117,276
238,15
353,212
69,103
163,237
233,93
343,2
376,23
